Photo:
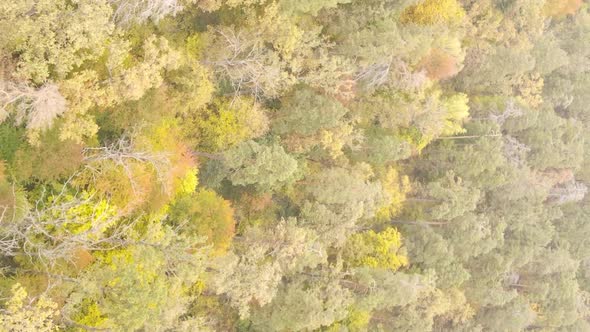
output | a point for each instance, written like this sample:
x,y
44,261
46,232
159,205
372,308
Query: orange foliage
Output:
x,y
150,183
439,65
82,258
182,162
552,177
6,201
253,203
206,214
165,138
2,170
347,90
52,160
561,8
127,191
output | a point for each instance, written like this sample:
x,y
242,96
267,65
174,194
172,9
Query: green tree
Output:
x,y
263,166
304,112
252,275
346,190
305,303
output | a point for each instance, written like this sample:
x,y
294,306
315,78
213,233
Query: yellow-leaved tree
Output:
x,y
397,186
20,314
371,249
429,12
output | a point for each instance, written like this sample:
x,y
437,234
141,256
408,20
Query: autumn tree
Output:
x,y
433,12
204,213
51,38
24,314
382,250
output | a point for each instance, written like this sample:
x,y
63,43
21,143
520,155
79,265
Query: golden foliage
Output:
x,y
21,315
430,12
82,258
206,214
228,123
397,187
561,8
371,249
530,89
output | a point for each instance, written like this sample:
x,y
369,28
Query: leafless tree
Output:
x,y
511,111
35,107
393,70
571,191
123,154
514,151
247,63
51,230
375,75
130,11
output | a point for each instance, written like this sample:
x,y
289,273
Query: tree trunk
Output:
x,y
214,156
419,222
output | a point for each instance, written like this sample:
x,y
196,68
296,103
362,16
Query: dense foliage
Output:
x,y
294,165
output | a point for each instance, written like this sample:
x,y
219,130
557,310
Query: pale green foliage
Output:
x,y
308,6
254,273
305,303
549,56
346,190
472,235
379,149
21,314
430,250
251,163
554,142
305,112
490,75
389,289
332,225
455,196
513,317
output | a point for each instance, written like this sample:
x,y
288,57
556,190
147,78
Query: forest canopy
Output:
x,y
294,165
